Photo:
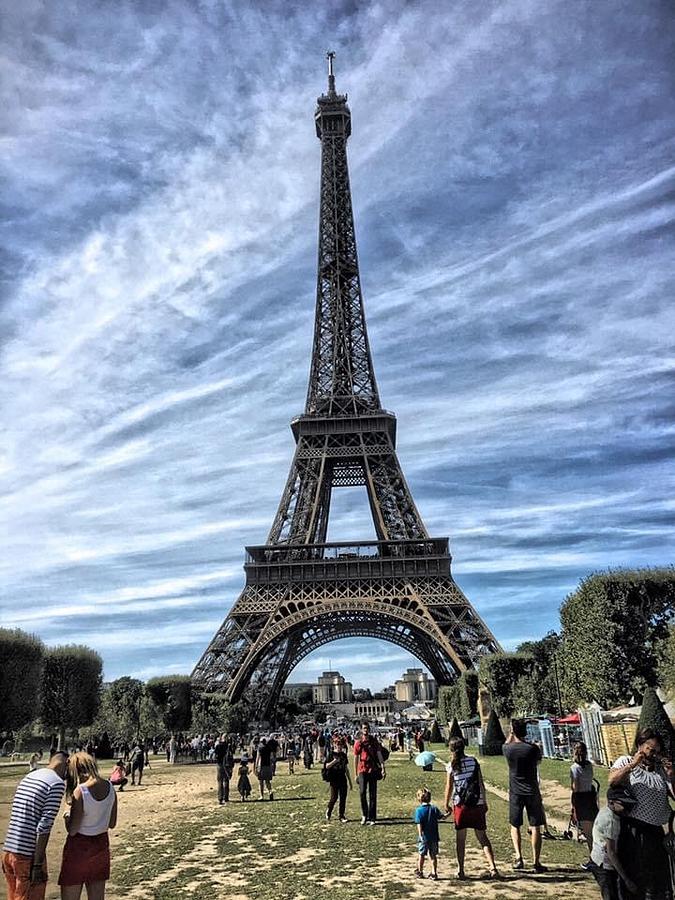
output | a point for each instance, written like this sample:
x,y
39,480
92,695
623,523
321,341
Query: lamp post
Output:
x,y
557,683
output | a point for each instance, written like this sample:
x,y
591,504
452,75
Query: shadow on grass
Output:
x,y
395,820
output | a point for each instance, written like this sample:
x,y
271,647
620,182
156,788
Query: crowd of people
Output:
x,y
625,838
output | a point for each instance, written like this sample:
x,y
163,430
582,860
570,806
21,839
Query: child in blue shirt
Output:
x,y
427,818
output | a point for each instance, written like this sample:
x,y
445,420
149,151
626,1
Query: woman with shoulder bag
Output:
x,y
337,775
465,798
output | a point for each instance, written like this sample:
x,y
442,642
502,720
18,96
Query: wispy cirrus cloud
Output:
x,y
513,186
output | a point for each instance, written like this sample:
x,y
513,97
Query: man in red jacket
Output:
x,y
368,769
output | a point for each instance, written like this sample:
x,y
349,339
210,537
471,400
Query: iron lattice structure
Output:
x,y
302,592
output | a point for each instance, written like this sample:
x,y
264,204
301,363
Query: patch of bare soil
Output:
x,y
510,886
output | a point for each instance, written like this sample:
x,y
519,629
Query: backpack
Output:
x,y
469,793
384,752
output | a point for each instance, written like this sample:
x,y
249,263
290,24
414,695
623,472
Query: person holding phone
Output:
x,y
650,777
523,758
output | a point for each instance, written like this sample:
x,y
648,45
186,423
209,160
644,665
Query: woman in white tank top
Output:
x,y
93,810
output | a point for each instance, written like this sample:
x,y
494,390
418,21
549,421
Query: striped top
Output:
x,y
36,803
651,790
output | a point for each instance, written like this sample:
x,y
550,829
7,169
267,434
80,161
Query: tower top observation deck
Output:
x,y
332,113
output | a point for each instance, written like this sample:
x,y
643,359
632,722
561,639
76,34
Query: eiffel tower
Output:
x,y
302,592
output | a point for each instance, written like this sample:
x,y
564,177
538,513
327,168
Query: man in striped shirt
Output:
x,y
36,803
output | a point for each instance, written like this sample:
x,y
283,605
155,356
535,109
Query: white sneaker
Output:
x,y
370,822
364,821
327,816
343,819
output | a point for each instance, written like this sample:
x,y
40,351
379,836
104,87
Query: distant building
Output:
x,y
415,685
332,688
296,690
379,710
362,694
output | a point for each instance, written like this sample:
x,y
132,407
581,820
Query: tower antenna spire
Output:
x,y
330,56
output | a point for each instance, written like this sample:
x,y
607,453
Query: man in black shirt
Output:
x,y
523,759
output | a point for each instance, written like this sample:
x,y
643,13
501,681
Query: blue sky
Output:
x,y
513,182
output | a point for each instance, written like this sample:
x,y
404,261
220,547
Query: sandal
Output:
x,y
494,873
418,874
519,864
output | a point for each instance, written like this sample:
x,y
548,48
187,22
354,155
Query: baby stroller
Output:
x,y
573,831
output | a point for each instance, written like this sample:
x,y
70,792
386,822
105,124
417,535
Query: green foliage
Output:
x,y
447,703
494,738
665,654
172,695
305,699
209,713
286,711
21,660
459,700
500,673
537,692
653,715
467,686
126,711
70,692
612,626
455,730
435,735
214,714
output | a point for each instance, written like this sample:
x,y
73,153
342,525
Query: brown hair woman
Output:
x,y
463,773
584,798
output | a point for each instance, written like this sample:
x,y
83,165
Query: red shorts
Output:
x,y
470,817
86,858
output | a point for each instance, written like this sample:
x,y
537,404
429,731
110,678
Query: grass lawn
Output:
x,y
174,841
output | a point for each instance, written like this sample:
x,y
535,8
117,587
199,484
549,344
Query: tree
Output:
x,y
612,626
21,660
209,712
493,739
500,673
447,703
435,735
537,692
459,699
70,690
455,730
285,711
666,660
121,709
172,695
468,687
653,715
